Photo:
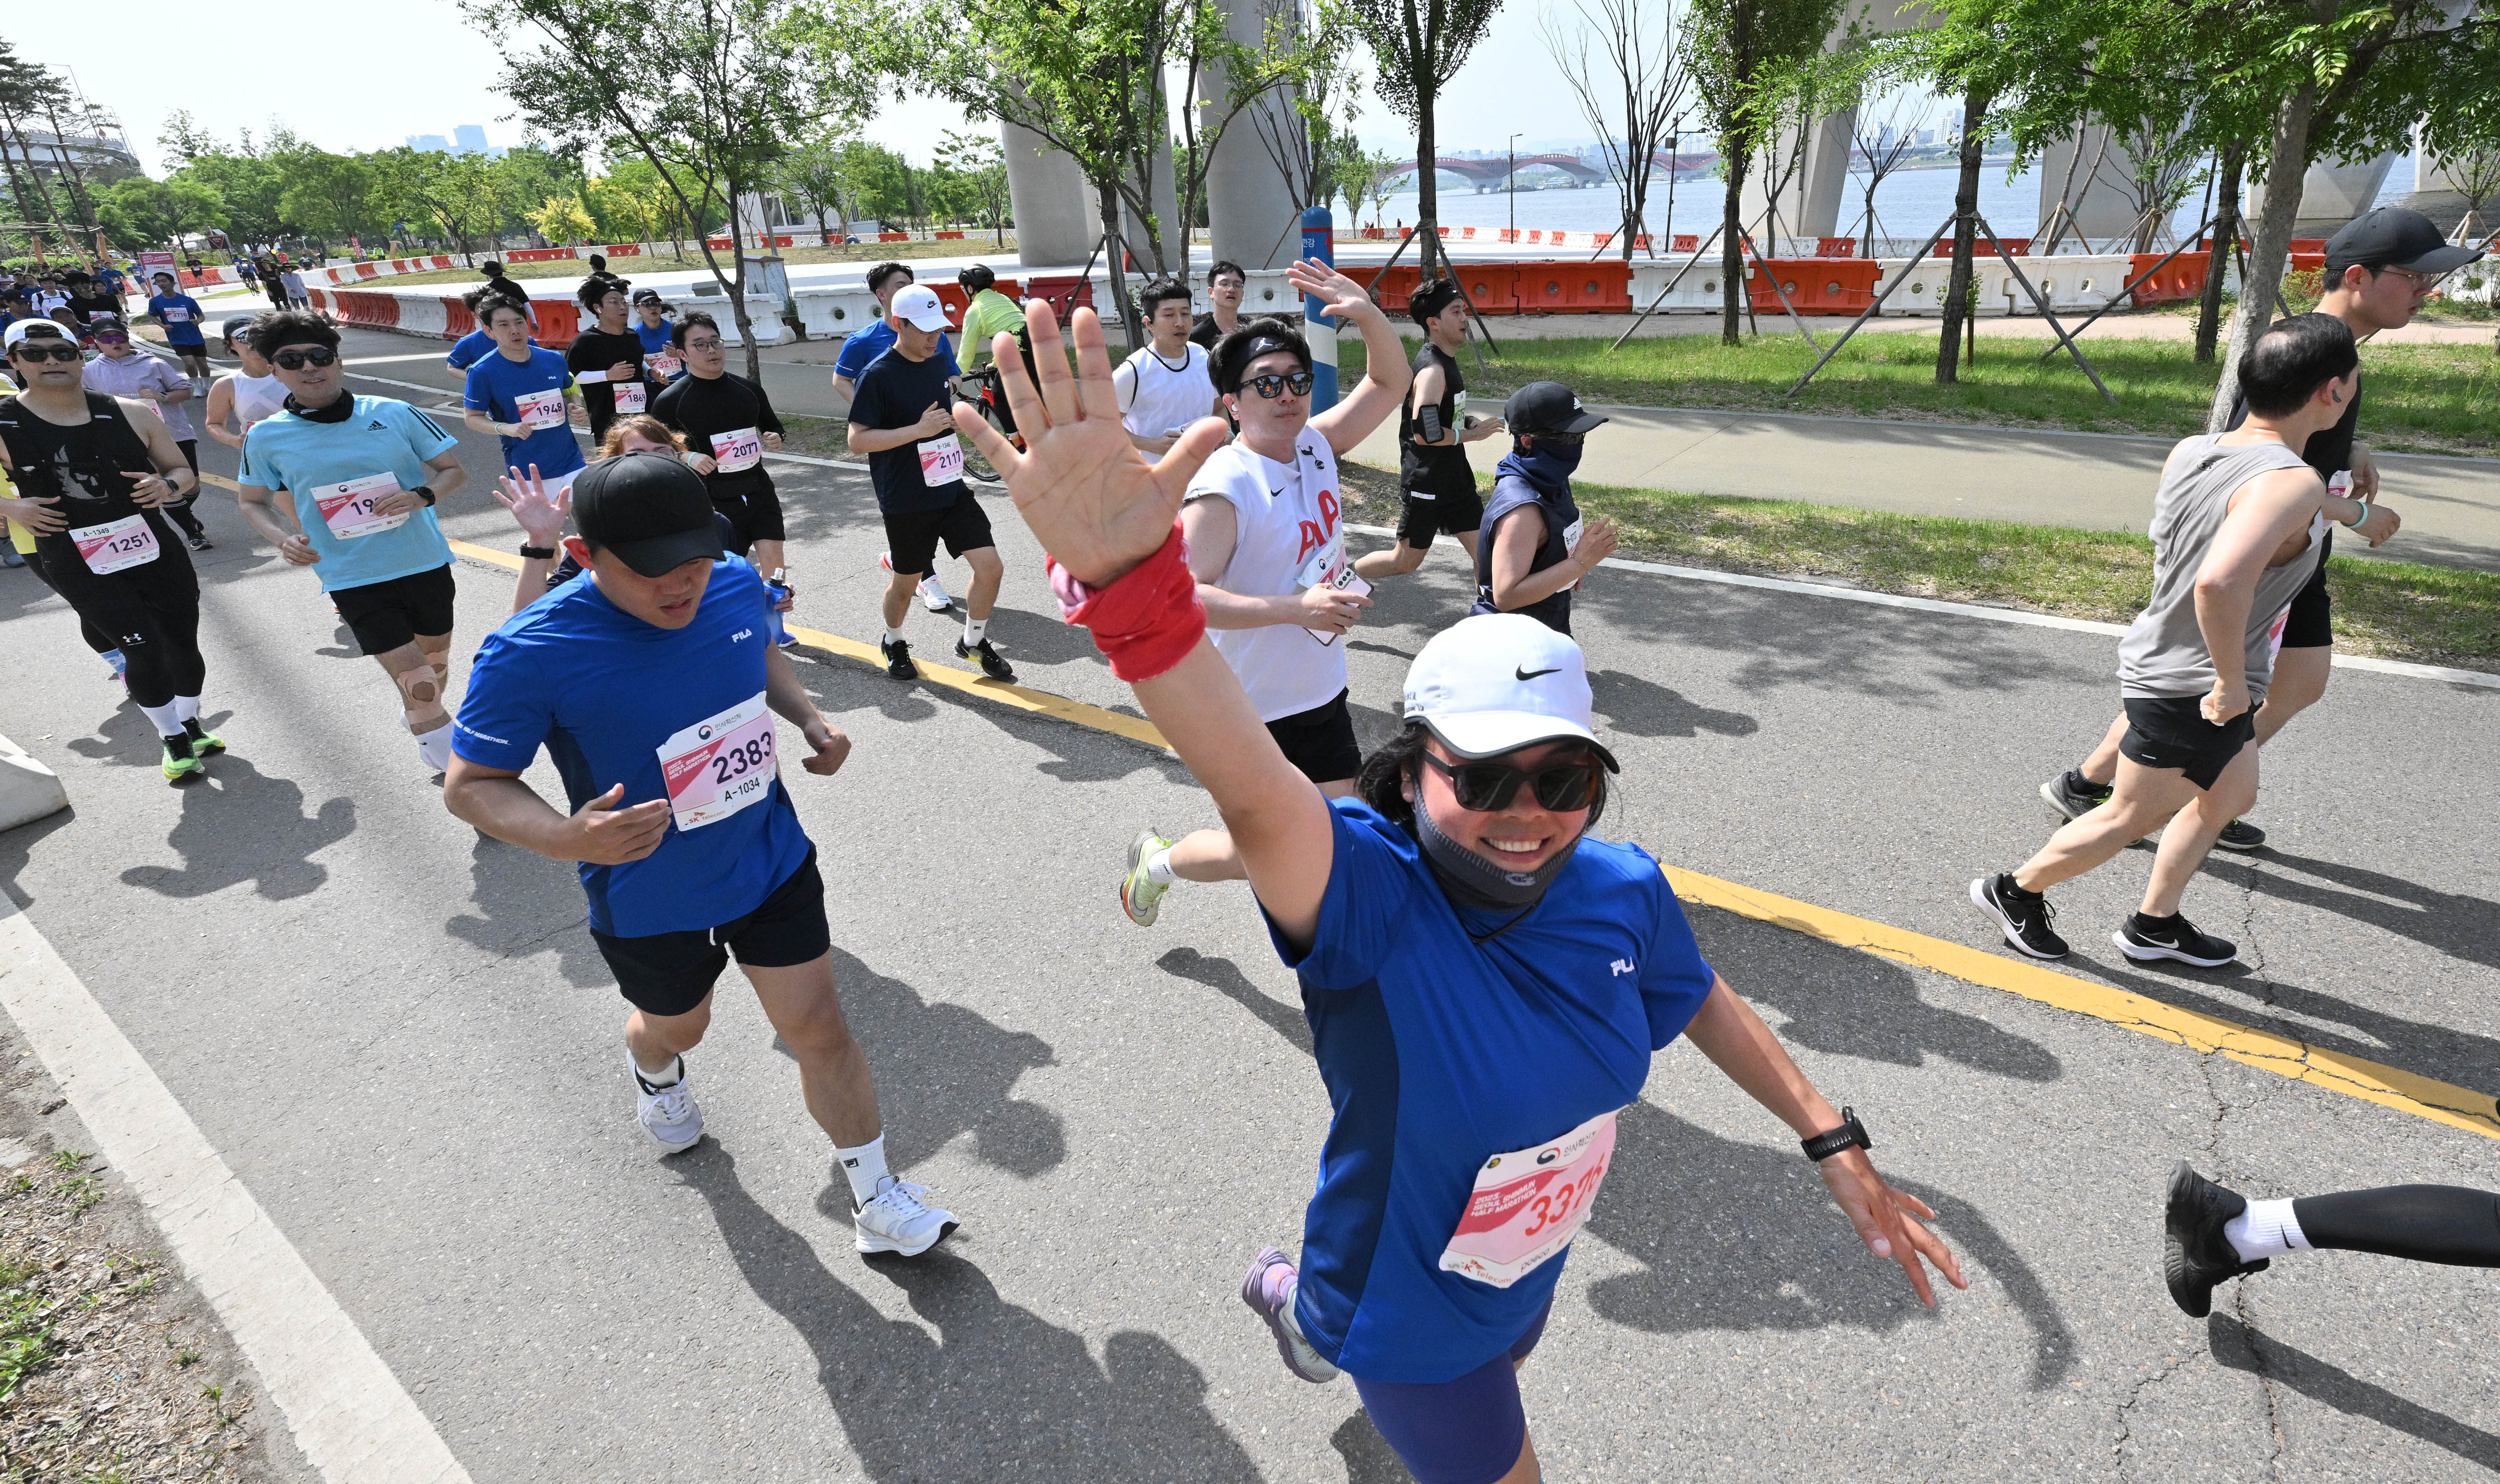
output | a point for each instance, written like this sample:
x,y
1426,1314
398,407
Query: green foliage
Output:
x,y
563,220
140,212
27,1346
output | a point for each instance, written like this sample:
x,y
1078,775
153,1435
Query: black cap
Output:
x,y
648,296
97,324
649,508
2391,236
1547,407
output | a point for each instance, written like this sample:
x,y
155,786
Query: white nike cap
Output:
x,y
1498,682
919,305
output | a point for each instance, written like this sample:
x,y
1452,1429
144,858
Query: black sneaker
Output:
x,y
2023,917
898,659
2241,835
2145,938
2074,795
200,543
990,664
2195,1255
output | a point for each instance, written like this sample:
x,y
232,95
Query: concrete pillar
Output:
x,y
2331,193
1054,209
1250,203
2100,195
1163,192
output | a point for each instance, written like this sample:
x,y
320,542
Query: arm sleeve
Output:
x,y
1363,912
766,418
504,716
1674,978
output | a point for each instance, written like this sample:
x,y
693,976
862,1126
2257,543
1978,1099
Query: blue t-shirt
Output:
x,y
1439,1054
472,347
656,341
114,280
602,690
865,345
180,314
381,436
497,382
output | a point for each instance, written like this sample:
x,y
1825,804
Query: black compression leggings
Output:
x,y
2425,1223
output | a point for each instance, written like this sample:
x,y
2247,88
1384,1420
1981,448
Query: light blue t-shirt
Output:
x,y
381,436
496,384
865,345
1441,1052
603,691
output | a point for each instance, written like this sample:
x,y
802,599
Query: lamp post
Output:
x,y
1510,185
1674,145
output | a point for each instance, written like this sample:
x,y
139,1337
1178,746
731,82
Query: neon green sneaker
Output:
x,y
1139,898
179,765
203,740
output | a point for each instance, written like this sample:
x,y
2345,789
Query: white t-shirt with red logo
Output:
x,y
1290,536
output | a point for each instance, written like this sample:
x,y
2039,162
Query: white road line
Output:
x,y
348,1412
2436,672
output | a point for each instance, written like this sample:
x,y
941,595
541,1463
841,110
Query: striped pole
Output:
x,y
1319,240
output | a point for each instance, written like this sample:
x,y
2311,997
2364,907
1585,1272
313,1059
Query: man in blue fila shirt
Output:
x,y
361,474
521,393
475,346
652,683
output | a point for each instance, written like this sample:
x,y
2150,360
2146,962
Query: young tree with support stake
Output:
x,y
1421,46
1738,53
1628,97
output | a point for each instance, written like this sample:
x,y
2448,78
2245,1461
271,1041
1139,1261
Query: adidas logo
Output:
x,y
376,426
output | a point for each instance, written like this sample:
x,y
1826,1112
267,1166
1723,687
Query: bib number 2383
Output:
x,y
1529,1204
106,549
720,765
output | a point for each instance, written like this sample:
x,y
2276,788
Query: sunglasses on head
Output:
x,y
1488,788
311,355
1273,386
45,350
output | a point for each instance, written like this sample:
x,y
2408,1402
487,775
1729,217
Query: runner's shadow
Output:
x,y
996,1393
1368,1458
2444,921
242,825
1766,1250
1643,708
981,1062
527,905
2267,1359
1225,978
126,736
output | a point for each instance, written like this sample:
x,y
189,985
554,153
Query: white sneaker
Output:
x,y
667,1114
932,594
898,1220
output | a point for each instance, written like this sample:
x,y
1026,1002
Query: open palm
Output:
x,y
1086,491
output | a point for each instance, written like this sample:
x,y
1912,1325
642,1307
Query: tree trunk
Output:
x,y
1107,196
2217,263
1732,242
1974,143
1427,175
79,198
2287,164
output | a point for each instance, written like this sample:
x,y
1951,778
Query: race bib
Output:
x,y
539,409
942,461
1528,1205
1571,544
664,368
736,451
347,509
630,397
720,765
175,314
106,549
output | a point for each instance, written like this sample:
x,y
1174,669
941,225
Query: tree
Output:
x,y
1740,54
620,211
979,166
456,192
1628,96
1371,170
1297,61
1420,45
21,88
1884,129
140,211
329,195
813,173
563,220
1308,130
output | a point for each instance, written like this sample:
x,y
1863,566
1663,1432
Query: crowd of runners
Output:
x,y
1486,978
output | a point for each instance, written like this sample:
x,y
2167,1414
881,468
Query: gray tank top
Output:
x,y
2163,653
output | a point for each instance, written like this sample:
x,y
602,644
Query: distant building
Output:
x,y
468,138
431,143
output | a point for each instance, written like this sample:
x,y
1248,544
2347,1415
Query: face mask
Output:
x,y
1474,880
1562,458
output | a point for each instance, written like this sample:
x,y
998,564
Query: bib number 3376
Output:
x,y
720,765
1529,1204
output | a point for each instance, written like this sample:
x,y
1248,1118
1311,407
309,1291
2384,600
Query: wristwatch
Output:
x,y
425,491
1851,1135
539,552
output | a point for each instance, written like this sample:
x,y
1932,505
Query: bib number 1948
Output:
x,y
720,765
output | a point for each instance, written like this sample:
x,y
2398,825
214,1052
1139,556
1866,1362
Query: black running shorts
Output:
x,y
384,615
2169,731
753,516
911,536
669,974
2309,623
1321,742
1422,517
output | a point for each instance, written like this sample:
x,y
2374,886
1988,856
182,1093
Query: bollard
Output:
x,y
28,790
1319,240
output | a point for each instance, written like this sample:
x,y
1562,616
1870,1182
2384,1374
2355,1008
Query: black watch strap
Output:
x,y
426,490
1851,1135
539,552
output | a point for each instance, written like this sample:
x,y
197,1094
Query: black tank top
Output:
x,y
1425,468
1561,513
82,466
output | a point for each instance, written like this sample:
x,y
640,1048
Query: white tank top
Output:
x,y
1291,535
256,397
1165,397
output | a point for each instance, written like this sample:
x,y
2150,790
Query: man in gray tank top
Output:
x,y
2236,527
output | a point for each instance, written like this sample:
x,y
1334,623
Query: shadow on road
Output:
x,y
240,825
2450,922
1225,978
997,1393
1639,707
2242,1349
976,1064
528,904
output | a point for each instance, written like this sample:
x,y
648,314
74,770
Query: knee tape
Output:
x,y
421,687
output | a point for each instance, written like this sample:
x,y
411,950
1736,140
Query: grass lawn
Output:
x,y
577,268
2396,610
2422,398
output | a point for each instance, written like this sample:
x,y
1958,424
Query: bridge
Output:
x,y
1492,172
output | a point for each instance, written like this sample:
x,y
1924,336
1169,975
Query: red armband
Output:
x,y
1148,620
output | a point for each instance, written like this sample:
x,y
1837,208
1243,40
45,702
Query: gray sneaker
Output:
x,y
1268,1289
2073,795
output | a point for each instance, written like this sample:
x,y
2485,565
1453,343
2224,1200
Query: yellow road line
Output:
x,y
2387,1086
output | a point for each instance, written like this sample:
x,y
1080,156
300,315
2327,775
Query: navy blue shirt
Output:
x,y
1558,513
862,346
896,392
1441,1052
496,385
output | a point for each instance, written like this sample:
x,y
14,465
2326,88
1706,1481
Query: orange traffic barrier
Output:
x,y
559,322
1832,286
1492,287
2182,277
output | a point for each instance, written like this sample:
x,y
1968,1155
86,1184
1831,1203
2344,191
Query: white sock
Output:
x,y
167,717
932,583
434,748
188,707
666,1077
1159,867
865,1168
2266,1229
973,631
894,636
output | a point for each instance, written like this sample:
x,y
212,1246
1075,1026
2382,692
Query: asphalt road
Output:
x,y
399,1034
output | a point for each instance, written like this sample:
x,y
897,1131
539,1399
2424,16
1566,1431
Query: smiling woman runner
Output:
x,y
1484,984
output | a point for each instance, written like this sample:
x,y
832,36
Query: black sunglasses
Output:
x,y
1488,788
310,355
32,352
1273,386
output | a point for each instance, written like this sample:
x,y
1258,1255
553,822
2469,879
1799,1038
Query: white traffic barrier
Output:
x,y
426,316
28,790
833,314
1696,289
1265,291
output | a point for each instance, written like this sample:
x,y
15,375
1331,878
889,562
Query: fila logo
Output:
x,y
1623,966
744,634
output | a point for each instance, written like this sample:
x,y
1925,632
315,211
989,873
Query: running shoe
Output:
x,y
2195,1254
992,664
667,1114
1268,1289
182,765
1139,898
898,659
933,593
203,740
899,1220
2241,835
2074,795
9,556
2023,917
201,542
2145,938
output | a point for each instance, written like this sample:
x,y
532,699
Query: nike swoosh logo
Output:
x,y
1532,675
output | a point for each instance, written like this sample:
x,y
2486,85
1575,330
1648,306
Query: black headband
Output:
x,y
1265,345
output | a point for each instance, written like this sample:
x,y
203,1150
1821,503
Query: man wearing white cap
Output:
x,y
899,420
1485,985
